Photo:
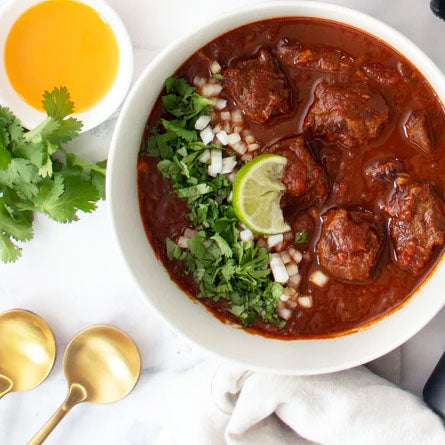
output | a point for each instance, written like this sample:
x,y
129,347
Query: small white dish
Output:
x,y
29,116
298,357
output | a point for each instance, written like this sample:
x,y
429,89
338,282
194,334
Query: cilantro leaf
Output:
x,y
302,237
61,198
57,103
9,252
33,176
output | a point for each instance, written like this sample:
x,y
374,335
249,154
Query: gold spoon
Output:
x,y
102,365
27,351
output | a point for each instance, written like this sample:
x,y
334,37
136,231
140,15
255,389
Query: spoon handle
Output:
x,y
6,385
76,394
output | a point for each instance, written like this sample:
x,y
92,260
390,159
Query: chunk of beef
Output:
x,y
349,244
322,59
349,114
418,131
384,171
417,223
303,177
258,87
385,75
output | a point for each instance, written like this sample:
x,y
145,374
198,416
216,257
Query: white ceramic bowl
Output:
x,y
11,10
191,319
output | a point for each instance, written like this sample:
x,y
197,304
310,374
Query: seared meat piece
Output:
x,y
384,171
303,177
322,59
349,244
385,75
417,223
258,87
418,131
349,114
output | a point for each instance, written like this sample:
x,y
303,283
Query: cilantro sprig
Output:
x,y
38,174
223,266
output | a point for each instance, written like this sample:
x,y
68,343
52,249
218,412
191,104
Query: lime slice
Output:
x,y
257,191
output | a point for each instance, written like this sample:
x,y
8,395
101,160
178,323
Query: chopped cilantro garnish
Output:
x,y
223,266
34,178
302,237
218,76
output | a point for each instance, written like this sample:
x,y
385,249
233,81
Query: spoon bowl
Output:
x,y
103,360
102,365
27,351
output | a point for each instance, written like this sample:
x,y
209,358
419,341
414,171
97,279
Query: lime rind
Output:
x,y
257,192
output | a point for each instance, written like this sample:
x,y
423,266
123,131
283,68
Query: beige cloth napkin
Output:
x,y
216,404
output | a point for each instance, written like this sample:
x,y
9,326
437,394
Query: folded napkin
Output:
x,y
216,404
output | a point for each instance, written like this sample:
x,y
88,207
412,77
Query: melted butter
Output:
x,y
61,43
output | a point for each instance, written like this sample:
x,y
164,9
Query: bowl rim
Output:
x,y
30,117
322,10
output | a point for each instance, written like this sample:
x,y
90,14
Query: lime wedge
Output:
x,y
257,192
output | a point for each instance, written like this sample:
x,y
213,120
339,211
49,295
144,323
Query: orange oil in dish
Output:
x,y
61,43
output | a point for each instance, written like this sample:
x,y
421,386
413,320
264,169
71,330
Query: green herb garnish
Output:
x,y
218,76
38,174
223,266
302,237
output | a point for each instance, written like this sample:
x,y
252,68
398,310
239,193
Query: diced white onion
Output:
x,y
205,156
211,90
226,116
231,177
250,139
220,104
182,242
207,135
284,312
278,269
294,281
292,304
274,240
284,297
237,129
253,147
202,122
240,147
292,269
237,116
217,128
290,291
319,278
285,257
296,255
215,167
227,127
199,81
189,233
215,67
228,164
247,157
222,137
233,138
230,197
246,235
305,301
279,247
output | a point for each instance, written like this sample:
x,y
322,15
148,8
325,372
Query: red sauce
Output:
x,y
340,306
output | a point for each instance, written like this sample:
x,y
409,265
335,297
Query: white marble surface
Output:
x,y
73,276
